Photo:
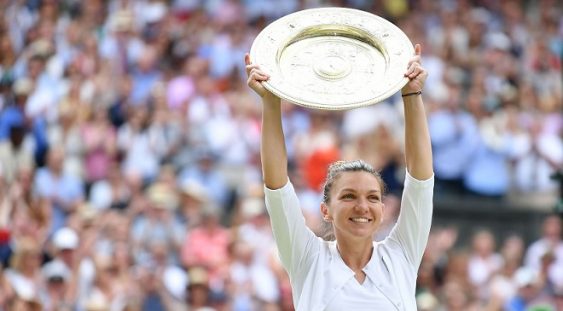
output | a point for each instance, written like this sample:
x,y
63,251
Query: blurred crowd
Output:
x,y
129,152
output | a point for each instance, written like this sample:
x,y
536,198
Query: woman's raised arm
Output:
x,y
418,150
272,147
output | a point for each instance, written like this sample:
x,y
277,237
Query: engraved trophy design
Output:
x,y
333,58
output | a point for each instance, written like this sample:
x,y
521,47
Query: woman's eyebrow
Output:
x,y
354,190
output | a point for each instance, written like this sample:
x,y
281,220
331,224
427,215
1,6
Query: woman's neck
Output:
x,y
28,272
355,254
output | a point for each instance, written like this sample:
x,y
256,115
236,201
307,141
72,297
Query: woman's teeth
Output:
x,y
360,219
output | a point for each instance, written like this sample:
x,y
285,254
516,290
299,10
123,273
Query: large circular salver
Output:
x,y
333,58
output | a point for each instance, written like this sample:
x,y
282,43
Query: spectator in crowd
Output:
x,y
14,155
121,46
14,113
255,229
165,131
501,287
206,246
66,134
484,262
144,77
316,148
140,155
249,281
487,174
56,286
454,134
528,294
111,192
548,250
199,293
105,292
156,224
22,214
205,172
24,272
193,200
99,143
182,87
62,191
537,152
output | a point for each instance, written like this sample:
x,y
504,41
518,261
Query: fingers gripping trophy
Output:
x,y
337,59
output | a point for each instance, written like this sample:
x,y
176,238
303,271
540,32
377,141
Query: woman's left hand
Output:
x,y
415,72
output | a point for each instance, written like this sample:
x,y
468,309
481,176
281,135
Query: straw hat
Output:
x,y
162,196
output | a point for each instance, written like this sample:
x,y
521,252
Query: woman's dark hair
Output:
x,y
334,171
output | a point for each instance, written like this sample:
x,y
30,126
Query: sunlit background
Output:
x,y
129,154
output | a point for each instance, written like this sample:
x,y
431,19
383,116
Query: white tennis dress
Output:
x,y
320,279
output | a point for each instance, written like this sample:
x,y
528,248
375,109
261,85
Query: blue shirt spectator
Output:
x,y
144,77
205,174
12,116
454,140
487,173
63,191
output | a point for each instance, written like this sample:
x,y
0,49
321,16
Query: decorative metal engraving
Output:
x,y
333,58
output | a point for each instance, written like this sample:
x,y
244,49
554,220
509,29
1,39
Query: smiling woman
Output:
x,y
362,193
351,272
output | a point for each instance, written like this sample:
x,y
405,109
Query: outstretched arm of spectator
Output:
x,y
273,152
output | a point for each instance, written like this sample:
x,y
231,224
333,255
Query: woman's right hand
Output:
x,y
255,77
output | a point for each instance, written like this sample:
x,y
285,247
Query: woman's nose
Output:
x,y
362,205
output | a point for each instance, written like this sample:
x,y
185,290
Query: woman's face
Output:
x,y
484,243
355,208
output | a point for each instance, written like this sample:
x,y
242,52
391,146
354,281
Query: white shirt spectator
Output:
x,y
533,170
535,253
482,268
140,156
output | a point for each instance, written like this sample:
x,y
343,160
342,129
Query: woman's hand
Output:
x,y
255,77
416,73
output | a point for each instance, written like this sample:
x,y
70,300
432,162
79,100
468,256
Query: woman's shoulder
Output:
x,y
386,248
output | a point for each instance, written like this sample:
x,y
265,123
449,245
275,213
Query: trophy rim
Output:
x,y
269,61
